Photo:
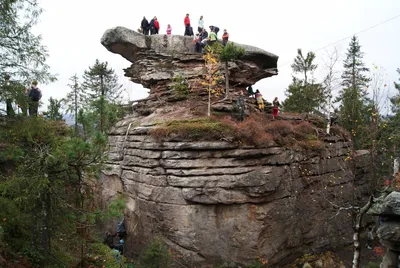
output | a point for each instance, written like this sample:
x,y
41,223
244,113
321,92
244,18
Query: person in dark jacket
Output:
x,y
203,34
108,239
250,91
34,96
203,39
145,26
121,230
215,28
151,26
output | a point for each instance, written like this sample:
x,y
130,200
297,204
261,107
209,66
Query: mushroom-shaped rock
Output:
x,y
159,57
156,59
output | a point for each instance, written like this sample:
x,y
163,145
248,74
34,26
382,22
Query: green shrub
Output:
x,y
100,255
372,265
180,86
156,255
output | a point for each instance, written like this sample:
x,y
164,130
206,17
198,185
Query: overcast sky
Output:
x,y
72,30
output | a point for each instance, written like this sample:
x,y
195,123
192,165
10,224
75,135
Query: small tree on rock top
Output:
x,y
229,53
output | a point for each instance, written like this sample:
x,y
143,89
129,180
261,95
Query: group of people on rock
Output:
x,y
201,39
153,27
241,103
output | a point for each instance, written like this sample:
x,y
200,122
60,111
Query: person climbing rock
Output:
x,y
169,29
200,24
186,22
121,230
275,107
225,37
260,100
34,96
250,91
156,26
108,239
241,104
145,26
119,246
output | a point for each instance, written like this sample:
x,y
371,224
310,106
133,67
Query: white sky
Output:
x,y
72,30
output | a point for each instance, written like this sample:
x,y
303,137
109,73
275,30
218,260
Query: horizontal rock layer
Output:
x,y
218,200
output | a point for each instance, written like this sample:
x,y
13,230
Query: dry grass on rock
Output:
x,y
257,130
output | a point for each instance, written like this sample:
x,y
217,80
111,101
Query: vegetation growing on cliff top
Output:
x,y
256,130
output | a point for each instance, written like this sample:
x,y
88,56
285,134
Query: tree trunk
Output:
x,y
328,127
356,236
76,108
305,77
226,80
102,104
209,101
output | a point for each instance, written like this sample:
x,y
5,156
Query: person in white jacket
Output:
x,y
200,24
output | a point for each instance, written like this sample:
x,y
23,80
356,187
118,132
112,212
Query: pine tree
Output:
x,y
303,95
304,65
53,109
229,53
75,99
392,128
100,83
354,102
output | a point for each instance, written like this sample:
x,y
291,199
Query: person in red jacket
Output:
x,y
225,37
156,25
186,21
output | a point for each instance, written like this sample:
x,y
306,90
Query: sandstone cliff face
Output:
x,y
216,200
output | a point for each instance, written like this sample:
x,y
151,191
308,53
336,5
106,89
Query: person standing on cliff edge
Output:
x,y
145,26
200,23
156,26
34,96
186,22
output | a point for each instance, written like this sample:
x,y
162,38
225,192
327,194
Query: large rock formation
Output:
x,y
157,59
388,209
215,200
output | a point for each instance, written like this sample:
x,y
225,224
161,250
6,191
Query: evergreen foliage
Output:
x,y
100,84
355,106
303,95
230,52
23,57
75,99
54,109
